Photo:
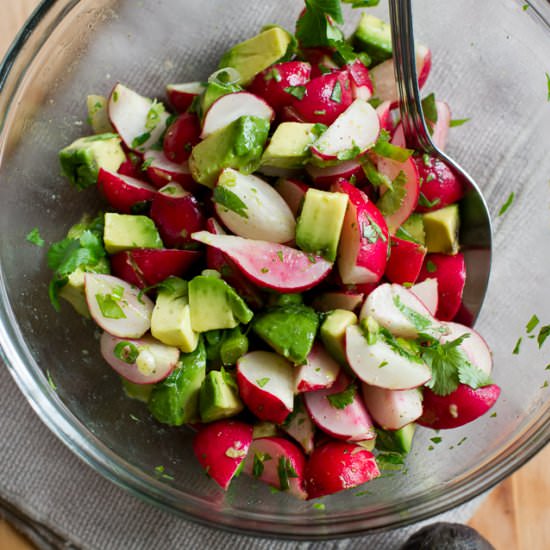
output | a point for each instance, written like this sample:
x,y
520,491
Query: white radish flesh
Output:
x,y
300,426
426,292
319,372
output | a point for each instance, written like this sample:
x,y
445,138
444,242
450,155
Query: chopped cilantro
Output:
x,y
362,3
264,270
315,26
318,506
545,385
344,398
280,255
436,440
533,322
51,383
548,86
109,307
146,164
384,148
525,7
507,204
429,108
153,116
423,201
159,470
285,471
362,493
383,364
297,91
517,346
262,381
318,129
138,141
273,74
349,154
258,465
393,198
431,267
544,332
373,175
458,122
462,441
493,415
224,196
34,237
419,321
336,94
320,112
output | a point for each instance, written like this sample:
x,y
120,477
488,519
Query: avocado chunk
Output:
x,y
98,117
233,346
126,232
320,223
171,319
265,429
219,396
442,228
257,53
333,333
290,330
289,145
140,392
373,36
175,400
412,229
73,291
215,305
396,441
215,90
239,145
81,161
283,299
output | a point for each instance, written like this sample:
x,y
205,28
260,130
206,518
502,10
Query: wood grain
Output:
x,y
514,516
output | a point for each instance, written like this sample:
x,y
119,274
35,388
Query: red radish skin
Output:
x,y
293,192
351,423
215,259
326,176
132,168
361,84
300,427
124,193
221,447
384,114
161,172
426,292
180,137
338,299
392,169
265,382
271,83
177,215
405,261
318,373
458,408
325,98
272,453
181,96
440,186
270,265
165,358
360,259
450,272
148,267
336,466
441,128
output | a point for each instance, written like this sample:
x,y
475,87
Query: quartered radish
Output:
x,y
270,265
266,382
384,115
141,361
339,411
378,364
162,171
138,120
364,240
147,267
361,84
277,462
318,373
293,192
400,208
299,426
177,215
405,261
124,193
180,137
392,409
349,300
458,408
230,107
336,466
426,292
221,447
181,96
132,167
252,208
356,129
325,176
116,306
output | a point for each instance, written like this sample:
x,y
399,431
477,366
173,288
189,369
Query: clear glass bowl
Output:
x,y
490,60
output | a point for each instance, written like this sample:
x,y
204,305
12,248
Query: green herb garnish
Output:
x,y
507,204
285,471
140,140
262,381
423,201
297,91
225,197
431,267
384,148
336,94
544,332
344,398
458,122
429,108
393,198
34,237
533,322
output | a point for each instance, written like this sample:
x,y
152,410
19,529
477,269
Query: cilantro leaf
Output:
x,y
544,332
34,237
344,398
349,154
315,27
423,201
224,196
516,349
419,321
297,91
533,322
473,376
373,175
384,148
153,116
431,267
429,108
285,471
258,465
336,94
362,3
108,304
393,198
458,122
507,204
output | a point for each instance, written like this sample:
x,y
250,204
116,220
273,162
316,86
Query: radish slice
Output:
x,y
361,84
357,128
221,447
181,96
426,292
392,409
123,193
143,361
266,383
405,261
230,107
270,265
341,416
117,307
324,177
299,426
318,373
338,299
293,192
162,171
441,127
138,120
277,462
380,365
251,208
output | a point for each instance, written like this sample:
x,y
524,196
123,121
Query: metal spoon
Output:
x,y
475,228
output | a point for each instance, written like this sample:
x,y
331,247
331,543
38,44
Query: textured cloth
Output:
x,y
60,502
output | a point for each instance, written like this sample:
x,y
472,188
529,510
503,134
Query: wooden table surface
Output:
x,y
515,516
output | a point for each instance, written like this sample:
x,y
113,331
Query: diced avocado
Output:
x,y
175,400
397,441
333,333
239,145
257,53
81,161
126,232
290,330
140,392
289,145
368,444
264,429
213,91
373,36
277,299
171,319
320,223
73,292
233,346
98,117
219,396
215,305
412,229
441,227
